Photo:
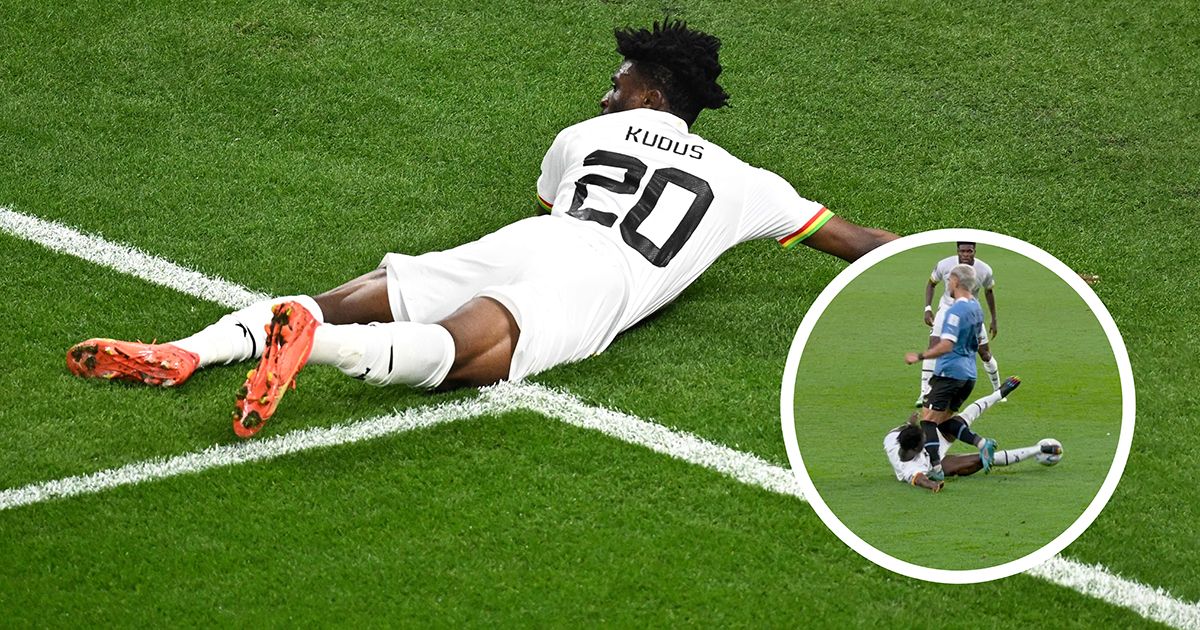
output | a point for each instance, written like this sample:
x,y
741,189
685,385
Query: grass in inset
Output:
x,y
853,387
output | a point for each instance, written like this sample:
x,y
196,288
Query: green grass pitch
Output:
x,y
852,376
286,145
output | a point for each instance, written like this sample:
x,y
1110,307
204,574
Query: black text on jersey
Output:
x,y
664,143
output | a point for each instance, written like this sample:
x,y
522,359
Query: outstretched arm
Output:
x,y
941,347
846,240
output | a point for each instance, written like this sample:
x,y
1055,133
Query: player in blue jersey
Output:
x,y
954,372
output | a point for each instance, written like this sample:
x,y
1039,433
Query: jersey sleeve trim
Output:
x,y
545,204
808,229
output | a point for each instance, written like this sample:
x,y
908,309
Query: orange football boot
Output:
x,y
289,342
159,364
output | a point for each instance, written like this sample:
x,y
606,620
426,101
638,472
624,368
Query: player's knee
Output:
x,y
479,369
485,338
955,428
331,306
360,301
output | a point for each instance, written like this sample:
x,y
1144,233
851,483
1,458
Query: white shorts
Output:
x,y
940,318
905,470
565,291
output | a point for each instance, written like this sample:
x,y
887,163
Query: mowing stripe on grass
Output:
x,y
1095,581
126,259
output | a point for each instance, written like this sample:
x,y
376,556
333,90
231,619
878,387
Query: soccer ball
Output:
x,y
1051,452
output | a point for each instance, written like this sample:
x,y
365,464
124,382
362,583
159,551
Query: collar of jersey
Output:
x,y
671,118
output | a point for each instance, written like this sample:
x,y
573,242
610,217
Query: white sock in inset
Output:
x,y
240,335
408,353
975,409
1012,456
926,374
993,371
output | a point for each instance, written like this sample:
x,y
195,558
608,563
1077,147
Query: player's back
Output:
x,y
963,322
669,201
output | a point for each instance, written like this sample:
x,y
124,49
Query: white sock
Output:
x,y
1012,456
408,353
993,372
926,374
975,409
240,335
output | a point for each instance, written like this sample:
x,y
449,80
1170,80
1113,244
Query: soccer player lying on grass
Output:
x,y
985,282
954,371
638,206
904,445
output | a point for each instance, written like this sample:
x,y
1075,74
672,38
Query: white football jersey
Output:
x,y
983,273
667,201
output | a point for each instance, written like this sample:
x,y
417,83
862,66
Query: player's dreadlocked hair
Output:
x,y
681,62
911,437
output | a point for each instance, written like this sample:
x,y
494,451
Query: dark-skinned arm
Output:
x,y
921,481
991,300
929,286
846,240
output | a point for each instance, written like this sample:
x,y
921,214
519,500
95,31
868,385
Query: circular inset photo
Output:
x,y
958,406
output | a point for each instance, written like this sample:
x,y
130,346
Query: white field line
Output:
x,y
502,398
744,467
126,259
1096,581
221,455
1092,580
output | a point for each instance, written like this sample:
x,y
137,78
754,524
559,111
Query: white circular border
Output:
x,y
946,576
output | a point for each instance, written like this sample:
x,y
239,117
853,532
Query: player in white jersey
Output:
x,y
675,201
985,283
638,208
906,452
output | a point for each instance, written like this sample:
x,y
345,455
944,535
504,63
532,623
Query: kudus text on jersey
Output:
x,y
664,143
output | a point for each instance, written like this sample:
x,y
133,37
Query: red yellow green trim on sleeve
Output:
x,y
545,204
807,229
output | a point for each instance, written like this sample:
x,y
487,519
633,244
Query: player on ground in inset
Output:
x,y
986,283
904,446
954,369
636,208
